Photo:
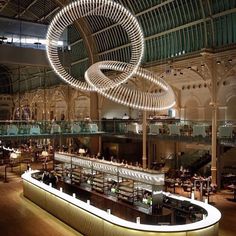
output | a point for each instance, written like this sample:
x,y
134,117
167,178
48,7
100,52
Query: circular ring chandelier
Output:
x,y
131,97
106,8
96,80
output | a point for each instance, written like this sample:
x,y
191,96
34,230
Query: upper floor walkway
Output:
x,y
170,129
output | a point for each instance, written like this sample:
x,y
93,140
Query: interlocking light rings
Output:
x,y
96,79
132,97
106,8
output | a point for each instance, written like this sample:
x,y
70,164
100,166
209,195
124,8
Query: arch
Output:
x,y
81,106
6,105
5,81
208,110
57,107
191,109
37,106
231,112
227,90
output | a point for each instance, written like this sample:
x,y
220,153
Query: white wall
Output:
x,y
114,110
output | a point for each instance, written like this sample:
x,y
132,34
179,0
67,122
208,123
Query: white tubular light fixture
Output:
x,y
95,78
106,8
134,98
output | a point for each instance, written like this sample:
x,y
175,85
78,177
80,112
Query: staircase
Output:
x,y
228,161
201,162
76,144
191,157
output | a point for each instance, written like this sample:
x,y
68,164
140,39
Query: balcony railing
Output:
x,y
177,129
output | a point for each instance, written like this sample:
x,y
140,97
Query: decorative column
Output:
x,y
69,103
214,145
150,154
100,128
214,123
94,115
144,157
212,73
69,141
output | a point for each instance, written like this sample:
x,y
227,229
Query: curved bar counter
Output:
x,y
90,220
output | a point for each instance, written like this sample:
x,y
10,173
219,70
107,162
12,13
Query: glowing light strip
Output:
x,y
130,97
96,79
106,8
213,214
10,149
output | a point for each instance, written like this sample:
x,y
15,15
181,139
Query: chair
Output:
x,y
225,132
93,128
75,128
199,130
12,130
154,129
35,129
132,128
174,129
55,129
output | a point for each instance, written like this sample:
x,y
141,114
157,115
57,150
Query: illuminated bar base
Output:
x,y
90,220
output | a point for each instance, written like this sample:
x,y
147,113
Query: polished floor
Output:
x,y
19,216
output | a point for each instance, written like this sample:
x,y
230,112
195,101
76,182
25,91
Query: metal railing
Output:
x,y
199,130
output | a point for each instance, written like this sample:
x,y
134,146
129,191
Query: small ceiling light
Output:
x,y
230,60
202,65
218,62
189,67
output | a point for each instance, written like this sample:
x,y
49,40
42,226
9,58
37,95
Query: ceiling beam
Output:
x,y
82,26
193,23
48,15
26,9
3,4
136,15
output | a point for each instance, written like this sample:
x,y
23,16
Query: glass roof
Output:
x,y
172,28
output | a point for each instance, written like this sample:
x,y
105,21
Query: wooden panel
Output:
x,y
84,222
35,194
210,231
57,207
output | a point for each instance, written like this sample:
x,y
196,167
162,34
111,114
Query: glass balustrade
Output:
x,y
175,129
17,128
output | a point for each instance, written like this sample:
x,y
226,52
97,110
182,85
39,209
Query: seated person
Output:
x,y
45,177
125,117
87,119
53,179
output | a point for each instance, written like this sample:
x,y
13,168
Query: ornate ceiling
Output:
x,y
173,30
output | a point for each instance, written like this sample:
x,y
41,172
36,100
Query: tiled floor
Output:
x,y
19,216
